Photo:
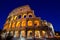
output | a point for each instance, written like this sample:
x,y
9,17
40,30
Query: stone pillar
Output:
x,y
41,33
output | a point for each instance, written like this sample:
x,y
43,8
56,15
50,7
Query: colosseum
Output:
x,y
22,23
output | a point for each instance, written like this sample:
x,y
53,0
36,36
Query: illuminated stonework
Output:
x,y
22,22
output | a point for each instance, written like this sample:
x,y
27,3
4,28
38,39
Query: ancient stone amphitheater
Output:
x,y
22,23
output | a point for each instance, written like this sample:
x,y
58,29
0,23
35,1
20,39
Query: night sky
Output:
x,y
47,10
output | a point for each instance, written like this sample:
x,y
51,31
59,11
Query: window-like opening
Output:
x,y
19,16
11,33
30,23
44,34
16,34
25,16
29,34
22,34
23,23
30,15
37,34
15,17
18,24
36,23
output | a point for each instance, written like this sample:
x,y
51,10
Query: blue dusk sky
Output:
x,y
46,9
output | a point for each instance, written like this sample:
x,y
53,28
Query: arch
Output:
x,y
43,33
22,34
29,34
30,14
23,23
37,34
24,16
36,22
15,17
12,33
19,16
30,23
18,24
16,34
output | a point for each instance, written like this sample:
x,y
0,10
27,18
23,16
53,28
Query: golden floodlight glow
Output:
x,y
23,23
23,33
15,17
28,35
18,24
6,26
13,24
37,33
24,15
10,24
16,33
30,23
43,32
12,18
36,22
30,13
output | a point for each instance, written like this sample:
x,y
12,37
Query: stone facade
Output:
x,y
22,22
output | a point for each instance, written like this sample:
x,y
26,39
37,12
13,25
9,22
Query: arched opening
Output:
x,y
30,16
18,24
30,23
22,35
29,34
36,23
24,16
37,34
44,34
19,16
16,34
23,23
15,17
